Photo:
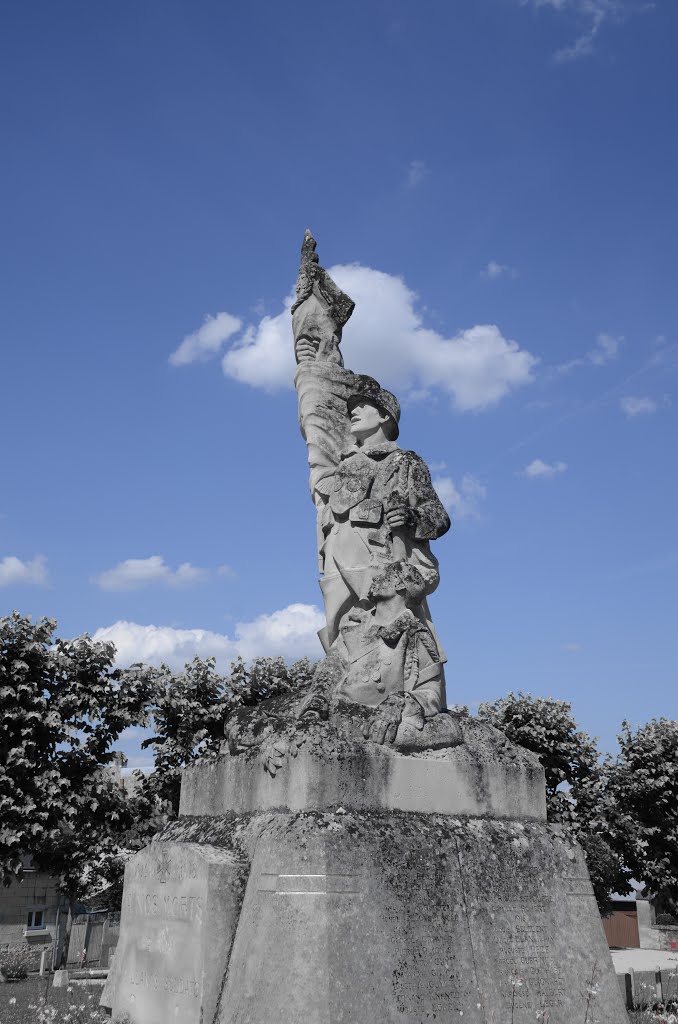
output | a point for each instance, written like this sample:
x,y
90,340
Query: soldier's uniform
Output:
x,y
357,539
400,657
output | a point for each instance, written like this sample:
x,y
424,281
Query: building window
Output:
x,y
36,919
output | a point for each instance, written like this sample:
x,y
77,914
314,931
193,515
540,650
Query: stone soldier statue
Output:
x,y
377,510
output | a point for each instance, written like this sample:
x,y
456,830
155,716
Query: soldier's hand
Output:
x,y
383,726
397,517
306,349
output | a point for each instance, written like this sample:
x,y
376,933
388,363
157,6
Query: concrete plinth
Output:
x,y
481,777
357,884
350,917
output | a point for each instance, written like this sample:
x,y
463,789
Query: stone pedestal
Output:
x,y
180,910
482,776
360,885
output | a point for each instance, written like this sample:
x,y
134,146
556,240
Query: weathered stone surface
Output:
x,y
341,900
351,917
356,914
484,775
321,308
376,509
179,915
537,936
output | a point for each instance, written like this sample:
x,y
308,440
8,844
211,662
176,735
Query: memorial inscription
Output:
x,y
183,986
429,952
155,904
179,913
521,916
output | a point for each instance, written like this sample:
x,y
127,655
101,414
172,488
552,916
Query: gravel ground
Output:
x,y
67,1007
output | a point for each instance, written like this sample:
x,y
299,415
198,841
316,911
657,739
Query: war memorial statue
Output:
x,y
361,854
376,513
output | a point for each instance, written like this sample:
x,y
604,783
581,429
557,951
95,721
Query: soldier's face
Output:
x,y
366,419
382,587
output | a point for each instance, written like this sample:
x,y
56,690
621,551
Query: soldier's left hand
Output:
x,y
397,517
383,726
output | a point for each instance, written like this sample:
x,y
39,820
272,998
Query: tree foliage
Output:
x,y
546,727
642,788
62,708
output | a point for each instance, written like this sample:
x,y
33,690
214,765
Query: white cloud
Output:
x,y
290,632
583,46
604,351
416,173
593,14
572,648
544,470
263,356
207,340
633,405
386,338
132,732
135,573
13,570
461,502
493,270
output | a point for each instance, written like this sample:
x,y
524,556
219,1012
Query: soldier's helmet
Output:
x,y
367,388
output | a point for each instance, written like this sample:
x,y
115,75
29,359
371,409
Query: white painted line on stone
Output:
x,y
270,882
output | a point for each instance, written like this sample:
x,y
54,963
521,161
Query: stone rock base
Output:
x,y
317,765
361,917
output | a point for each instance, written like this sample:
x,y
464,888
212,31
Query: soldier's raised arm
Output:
x,y
320,310
319,314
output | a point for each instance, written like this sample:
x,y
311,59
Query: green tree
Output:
x,y
642,789
577,793
62,708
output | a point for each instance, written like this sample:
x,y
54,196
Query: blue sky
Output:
x,y
494,183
